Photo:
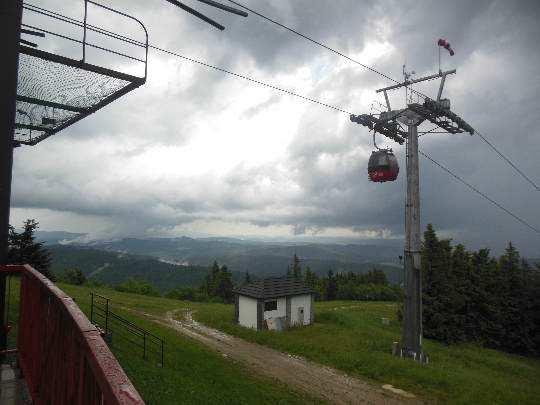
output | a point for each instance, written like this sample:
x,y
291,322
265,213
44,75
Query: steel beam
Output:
x,y
411,343
80,65
441,87
197,14
422,79
224,7
10,32
446,119
91,110
33,127
52,104
387,101
382,126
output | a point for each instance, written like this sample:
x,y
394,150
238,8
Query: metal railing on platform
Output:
x,y
63,357
114,326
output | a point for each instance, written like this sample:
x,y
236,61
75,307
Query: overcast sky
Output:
x,y
197,152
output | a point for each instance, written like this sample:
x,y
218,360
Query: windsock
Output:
x,y
446,45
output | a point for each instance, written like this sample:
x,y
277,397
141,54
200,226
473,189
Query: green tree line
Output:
x,y
370,286
471,296
467,296
216,287
23,249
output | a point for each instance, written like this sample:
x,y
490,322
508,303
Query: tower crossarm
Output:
x,y
440,115
390,129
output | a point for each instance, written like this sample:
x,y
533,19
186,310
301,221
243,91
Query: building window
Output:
x,y
270,306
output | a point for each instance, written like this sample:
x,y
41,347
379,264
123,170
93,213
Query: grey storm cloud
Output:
x,y
321,180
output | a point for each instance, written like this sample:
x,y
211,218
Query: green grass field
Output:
x,y
350,336
192,374
346,335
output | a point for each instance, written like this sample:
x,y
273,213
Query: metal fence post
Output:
x,y
144,346
106,317
162,365
92,307
84,31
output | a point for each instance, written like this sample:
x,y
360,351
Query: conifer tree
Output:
x,y
374,276
473,297
331,286
435,274
23,249
74,276
224,285
296,269
533,308
481,303
218,283
514,313
310,278
289,271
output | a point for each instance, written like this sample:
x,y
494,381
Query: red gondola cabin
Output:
x,y
383,166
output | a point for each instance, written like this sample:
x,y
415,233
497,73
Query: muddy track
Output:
x,y
300,374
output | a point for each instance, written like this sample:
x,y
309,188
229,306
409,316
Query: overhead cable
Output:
x,y
471,187
482,137
483,195
308,38
335,108
502,156
292,93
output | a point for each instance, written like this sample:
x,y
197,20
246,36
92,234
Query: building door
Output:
x,y
301,315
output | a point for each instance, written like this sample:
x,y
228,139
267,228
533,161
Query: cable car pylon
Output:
x,y
389,124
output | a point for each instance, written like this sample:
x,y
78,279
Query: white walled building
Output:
x,y
274,300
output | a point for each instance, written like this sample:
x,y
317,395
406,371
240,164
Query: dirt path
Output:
x,y
317,380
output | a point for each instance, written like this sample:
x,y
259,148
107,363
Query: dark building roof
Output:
x,y
274,287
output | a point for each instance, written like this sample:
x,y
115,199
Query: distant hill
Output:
x,y
263,258
54,237
114,268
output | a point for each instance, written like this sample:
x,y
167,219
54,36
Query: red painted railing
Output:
x,y
63,357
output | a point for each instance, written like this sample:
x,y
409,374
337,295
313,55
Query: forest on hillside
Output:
x,y
472,296
468,296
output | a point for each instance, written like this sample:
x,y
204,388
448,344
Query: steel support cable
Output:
x,y
473,188
292,30
432,130
502,156
345,111
249,79
87,43
134,42
73,21
520,172
193,60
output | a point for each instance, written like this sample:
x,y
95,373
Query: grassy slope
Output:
x,y
192,373
352,338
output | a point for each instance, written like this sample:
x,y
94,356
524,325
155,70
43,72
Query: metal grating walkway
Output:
x,y
56,91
